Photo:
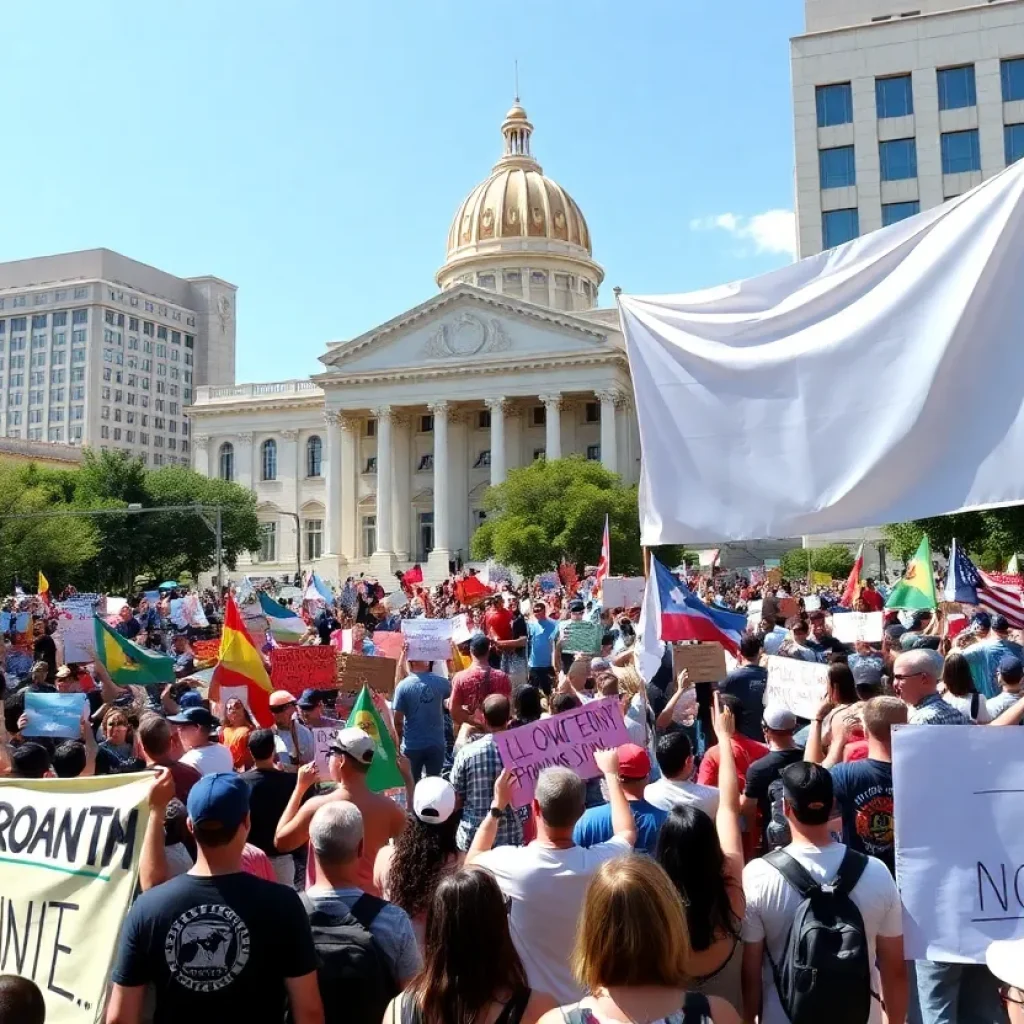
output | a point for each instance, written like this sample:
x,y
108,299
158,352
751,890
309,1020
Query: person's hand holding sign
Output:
x,y
503,789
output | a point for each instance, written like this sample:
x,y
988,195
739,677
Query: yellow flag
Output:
x,y
44,584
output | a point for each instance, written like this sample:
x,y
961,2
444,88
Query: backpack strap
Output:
x,y
366,908
975,702
696,1008
793,872
848,875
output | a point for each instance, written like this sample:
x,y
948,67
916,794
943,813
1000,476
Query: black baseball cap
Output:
x,y
195,716
479,645
809,791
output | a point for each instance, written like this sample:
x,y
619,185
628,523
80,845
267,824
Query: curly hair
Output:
x,y
421,853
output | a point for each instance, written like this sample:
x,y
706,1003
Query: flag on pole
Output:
x,y
383,772
604,566
916,590
285,626
1013,565
967,584
649,648
240,664
853,580
317,590
128,663
44,588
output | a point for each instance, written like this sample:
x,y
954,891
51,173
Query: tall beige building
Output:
x,y
97,349
899,105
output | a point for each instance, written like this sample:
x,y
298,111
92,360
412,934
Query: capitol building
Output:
x,y
381,459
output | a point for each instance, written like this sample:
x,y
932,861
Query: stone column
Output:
x,y
243,460
385,497
609,437
441,555
201,453
400,484
497,407
288,474
332,487
552,426
514,418
348,490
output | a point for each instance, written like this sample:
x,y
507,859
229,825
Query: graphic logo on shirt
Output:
x,y
874,821
207,948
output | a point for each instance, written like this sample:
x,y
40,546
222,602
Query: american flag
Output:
x,y
998,593
605,565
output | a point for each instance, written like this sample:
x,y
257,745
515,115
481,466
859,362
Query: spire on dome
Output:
x,y
516,129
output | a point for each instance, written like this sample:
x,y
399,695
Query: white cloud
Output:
x,y
773,231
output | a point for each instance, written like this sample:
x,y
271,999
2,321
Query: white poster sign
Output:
x,y
622,592
397,601
798,685
460,629
857,627
959,794
811,602
75,621
429,639
322,739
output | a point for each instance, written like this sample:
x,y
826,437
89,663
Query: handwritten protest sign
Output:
x,y
429,639
858,627
354,671
798,685
68,881
54,714
460,629
812,603
568,739
299,668
387,645
959,844
821,579
623,591
75,625
705,663
206,651
581,637
322,739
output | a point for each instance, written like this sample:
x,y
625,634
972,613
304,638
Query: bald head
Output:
x,y
497,711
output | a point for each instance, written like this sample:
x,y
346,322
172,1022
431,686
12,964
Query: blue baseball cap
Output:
x,y
190,700
1011,668
220,799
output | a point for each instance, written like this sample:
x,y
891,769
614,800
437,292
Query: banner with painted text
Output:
x,y
429,639
858,627
303,668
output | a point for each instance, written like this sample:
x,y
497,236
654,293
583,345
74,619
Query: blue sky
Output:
x,y
314,152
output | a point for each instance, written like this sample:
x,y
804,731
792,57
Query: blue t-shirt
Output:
x,y
542,639
984,658
596,825
863,790
419,697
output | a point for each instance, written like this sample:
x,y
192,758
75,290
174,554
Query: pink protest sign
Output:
x,y
568,740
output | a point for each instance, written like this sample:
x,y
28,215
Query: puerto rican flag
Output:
x,y
604,567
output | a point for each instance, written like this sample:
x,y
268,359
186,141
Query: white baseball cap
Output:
x,y
354,743
433,800
1005,959
779,718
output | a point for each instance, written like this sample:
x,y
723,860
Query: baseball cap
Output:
x,y
982,620
310,699
281,699
190,700
809,791
634,762
576,606
195,716
219,799
1011,668
354,743
779,718
433,800
479,645
1005,959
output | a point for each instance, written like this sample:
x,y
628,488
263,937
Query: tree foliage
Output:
x,y
991,537
835,559
548,511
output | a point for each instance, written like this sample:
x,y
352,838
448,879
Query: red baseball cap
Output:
x,y
634,762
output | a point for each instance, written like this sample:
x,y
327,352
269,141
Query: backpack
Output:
x,y
825,970
355,978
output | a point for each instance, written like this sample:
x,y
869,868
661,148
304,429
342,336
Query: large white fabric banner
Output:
x,y
878,382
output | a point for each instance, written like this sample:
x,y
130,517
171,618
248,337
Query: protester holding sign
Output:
x,y
418,706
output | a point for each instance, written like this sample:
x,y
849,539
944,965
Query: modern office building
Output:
x,y
97,349
899,105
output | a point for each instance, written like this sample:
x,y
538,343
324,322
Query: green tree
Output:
x,y
991,537
835,559
548,511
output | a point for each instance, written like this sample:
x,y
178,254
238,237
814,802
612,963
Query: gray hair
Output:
x,y
561,795
921,660
336,832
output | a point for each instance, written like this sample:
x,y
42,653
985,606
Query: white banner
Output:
x,y
75,624
622,592
798,685
959,798
429,639
857,627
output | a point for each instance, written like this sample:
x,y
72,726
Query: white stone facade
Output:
x,y
957,140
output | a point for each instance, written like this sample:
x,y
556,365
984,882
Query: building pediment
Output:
x,y
466,327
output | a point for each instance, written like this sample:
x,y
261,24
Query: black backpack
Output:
x,y
825,971
356,981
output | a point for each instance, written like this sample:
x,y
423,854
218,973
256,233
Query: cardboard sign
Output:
x,y
568,740
774,576
429,639
386,645
206,651
959,844
857,627
54,714
789,607
354,671
705,663
302,668
798,685
623,592
396,602
820,579
581,637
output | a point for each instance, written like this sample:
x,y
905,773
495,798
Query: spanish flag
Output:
x,y
240,664
917,588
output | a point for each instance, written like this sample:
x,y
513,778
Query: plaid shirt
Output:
x,y
933,710
477,766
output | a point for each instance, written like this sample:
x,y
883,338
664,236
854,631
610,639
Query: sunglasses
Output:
x,y
1009,994
906,675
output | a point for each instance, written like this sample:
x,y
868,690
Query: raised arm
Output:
x,y
815,750
623,823
153,862
293,828
727,820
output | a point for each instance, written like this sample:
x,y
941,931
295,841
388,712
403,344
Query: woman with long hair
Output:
x,y
424,852
704,860
235,732
960,691
119,737
632,953
471,973
840,700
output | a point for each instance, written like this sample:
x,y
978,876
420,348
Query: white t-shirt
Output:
x,y
963,704
772,903
210,759
667,793
546,888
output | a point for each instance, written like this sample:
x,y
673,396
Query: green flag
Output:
x,y
384,772
128,663
916,590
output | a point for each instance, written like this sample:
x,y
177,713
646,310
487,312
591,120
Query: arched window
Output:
x,y
268,459
227,461
314,453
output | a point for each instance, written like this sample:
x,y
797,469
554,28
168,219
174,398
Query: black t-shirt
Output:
x,y
747,685
269,793
216,949
44,649
762,773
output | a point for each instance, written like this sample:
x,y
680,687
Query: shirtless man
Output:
x,y
351,756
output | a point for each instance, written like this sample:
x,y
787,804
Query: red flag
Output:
x,y
413,575
604,567
850,590
569,577
471,590
241,664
